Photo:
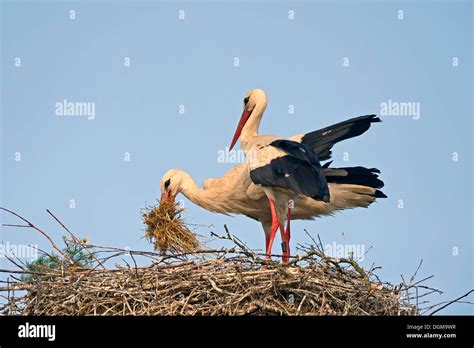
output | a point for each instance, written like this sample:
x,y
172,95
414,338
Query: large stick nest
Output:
x,y
232,286
232,281
221,282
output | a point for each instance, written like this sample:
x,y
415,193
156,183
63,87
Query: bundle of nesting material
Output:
x,y
167,231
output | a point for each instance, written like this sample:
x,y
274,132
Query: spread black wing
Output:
x,y
324,139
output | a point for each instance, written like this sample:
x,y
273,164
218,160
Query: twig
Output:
x,y
40,231
75,238
451,302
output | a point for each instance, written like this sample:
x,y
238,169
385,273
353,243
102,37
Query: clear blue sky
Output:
x,y
191,62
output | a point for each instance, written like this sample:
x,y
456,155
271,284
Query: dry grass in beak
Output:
x,y
167,231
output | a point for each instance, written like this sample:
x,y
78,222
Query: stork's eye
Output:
x,y
246,100
167,184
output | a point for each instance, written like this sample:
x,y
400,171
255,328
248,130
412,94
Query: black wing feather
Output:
x,y
324,139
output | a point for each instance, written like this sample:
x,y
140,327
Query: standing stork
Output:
x,y
289,168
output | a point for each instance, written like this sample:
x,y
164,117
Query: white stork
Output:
x,y
289,168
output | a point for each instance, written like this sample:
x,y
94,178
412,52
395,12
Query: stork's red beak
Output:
x,y
167,197
243,120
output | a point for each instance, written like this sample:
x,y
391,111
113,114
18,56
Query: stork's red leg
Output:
x,y
275,226
284,244
288,233
267,241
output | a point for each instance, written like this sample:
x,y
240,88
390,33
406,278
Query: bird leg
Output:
x,y
285,237
284,244
275,225
267,241
287,233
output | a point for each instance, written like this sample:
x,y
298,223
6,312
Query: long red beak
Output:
x,y
166,197
243,120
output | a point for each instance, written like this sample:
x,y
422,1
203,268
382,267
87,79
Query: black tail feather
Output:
x,y
354,175
379,194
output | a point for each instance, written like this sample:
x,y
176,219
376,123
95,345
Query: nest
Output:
x,y
214,282
222,286
229,281
167,231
